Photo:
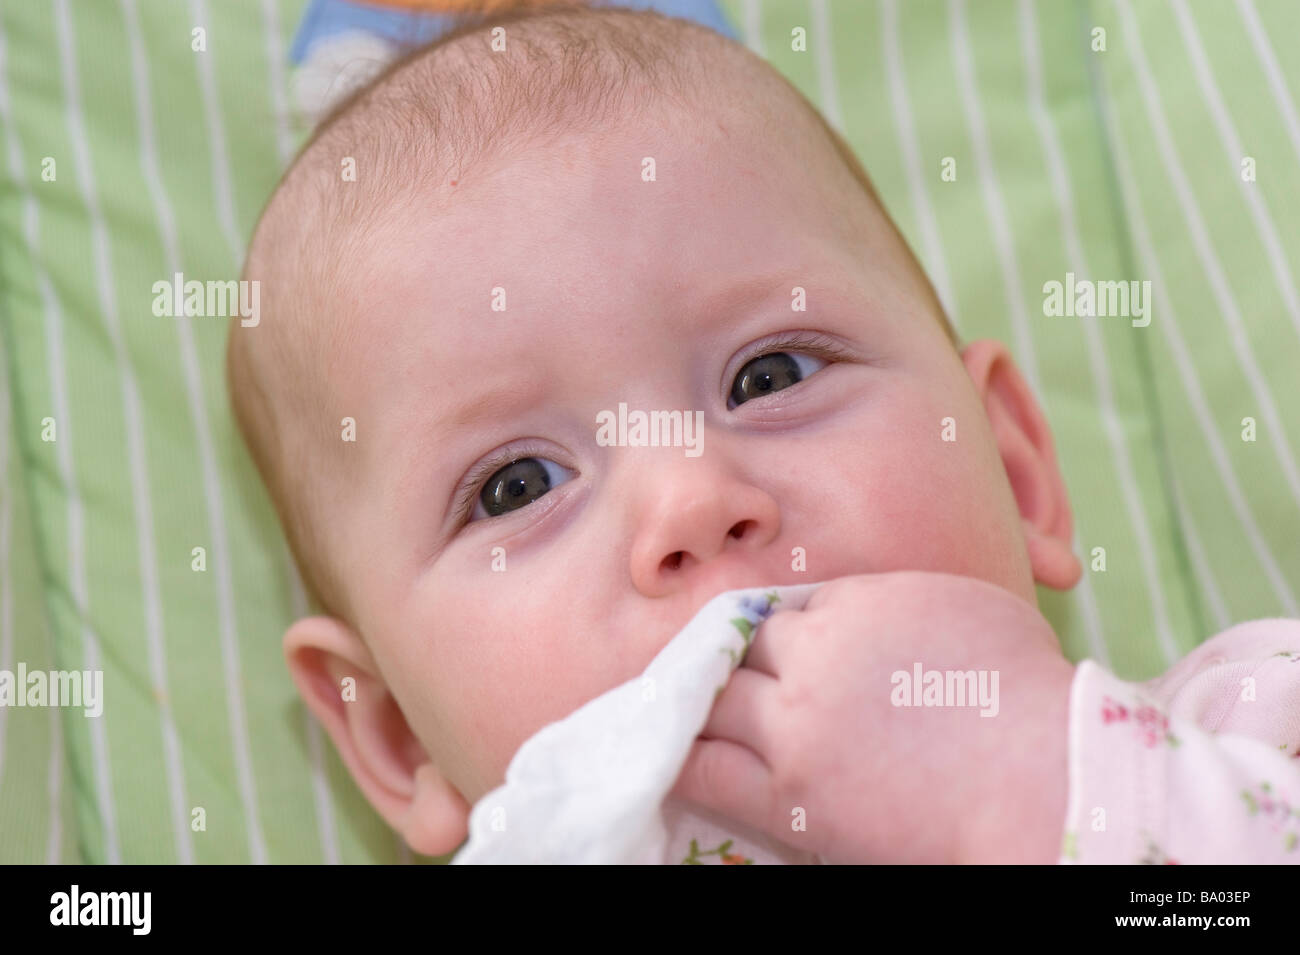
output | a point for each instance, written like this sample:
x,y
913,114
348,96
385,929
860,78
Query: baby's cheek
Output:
x,y
517,667
946,498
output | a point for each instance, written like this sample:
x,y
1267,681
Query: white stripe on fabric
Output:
x,y
319,785
207,458
1268,61
155,632
1002,239
1187,371
1234,151
931,246
6,583
1058,173
753,25
321,791
54,786
76,130
824,59
1200,564
221,182
1209,260
1090,611
276,86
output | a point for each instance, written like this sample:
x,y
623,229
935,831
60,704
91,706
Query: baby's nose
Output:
x,y
699,523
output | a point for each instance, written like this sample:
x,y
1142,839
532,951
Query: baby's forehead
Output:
x,y
601,230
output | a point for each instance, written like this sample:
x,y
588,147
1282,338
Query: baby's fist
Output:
x,y
822,740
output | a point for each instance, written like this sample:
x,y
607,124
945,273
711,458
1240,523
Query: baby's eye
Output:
x,y
772,372
518,483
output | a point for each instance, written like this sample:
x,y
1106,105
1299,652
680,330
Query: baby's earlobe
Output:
x,y
437,820
1051,559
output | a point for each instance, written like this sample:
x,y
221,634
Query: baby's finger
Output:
x,y
738,713
762,648
728,778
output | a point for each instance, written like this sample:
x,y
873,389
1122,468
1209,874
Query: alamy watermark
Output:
x,y
176,298
924,687
129,909
1083,298
84,688
651,429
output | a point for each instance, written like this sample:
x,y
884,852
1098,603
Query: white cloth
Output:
x,y
593,787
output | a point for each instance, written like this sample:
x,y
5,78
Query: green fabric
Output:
x,y
1198,526
36,821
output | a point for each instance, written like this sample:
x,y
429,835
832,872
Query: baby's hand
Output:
x,y
808,729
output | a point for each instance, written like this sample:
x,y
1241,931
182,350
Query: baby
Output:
x,y
509,235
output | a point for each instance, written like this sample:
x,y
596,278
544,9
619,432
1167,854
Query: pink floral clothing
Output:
x,y
1199,765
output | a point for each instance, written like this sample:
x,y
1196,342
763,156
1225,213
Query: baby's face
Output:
x,y
491,615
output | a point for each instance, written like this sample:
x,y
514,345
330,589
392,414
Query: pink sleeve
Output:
x,y
1199,765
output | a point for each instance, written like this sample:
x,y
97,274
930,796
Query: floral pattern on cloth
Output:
x,y
705,837
696,856
1196,766
1282,817
1150,725
753,611
1155,856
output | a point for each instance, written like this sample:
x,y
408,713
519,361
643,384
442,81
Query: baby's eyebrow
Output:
x,y
459,422
493,402
824,275
744,294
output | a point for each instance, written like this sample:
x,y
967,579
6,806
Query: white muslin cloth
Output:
x,y
593,787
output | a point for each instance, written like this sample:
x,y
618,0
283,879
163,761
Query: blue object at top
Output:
x,y
326,18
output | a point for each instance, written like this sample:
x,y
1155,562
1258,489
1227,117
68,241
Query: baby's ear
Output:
x,y
340,683
1024,441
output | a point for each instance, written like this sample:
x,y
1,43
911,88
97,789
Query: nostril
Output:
x,y
740,529
672,561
